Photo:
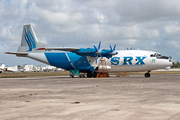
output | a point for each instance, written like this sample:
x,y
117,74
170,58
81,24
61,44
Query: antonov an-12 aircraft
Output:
x,y
86,60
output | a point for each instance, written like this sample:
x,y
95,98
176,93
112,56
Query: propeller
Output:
x,y
112,50
98,51
106,53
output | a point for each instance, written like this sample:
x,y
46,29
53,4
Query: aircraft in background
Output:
x,y
8,69
86,60
2,68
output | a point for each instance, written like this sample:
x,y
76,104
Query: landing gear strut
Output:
x,y
147,74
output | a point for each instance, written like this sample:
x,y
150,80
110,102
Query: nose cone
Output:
x,y
172,61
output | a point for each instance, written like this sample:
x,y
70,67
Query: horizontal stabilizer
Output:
x,y
17,53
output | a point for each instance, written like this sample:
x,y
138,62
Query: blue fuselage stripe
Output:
x,y
79,62
59,60
74,62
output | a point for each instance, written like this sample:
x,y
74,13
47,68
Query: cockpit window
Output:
x,y
163,57
155,55
159,56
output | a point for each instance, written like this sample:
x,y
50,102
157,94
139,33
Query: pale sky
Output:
x,y
152,25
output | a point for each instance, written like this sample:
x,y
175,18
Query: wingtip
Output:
x,y
7,52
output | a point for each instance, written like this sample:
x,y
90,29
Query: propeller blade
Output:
x,y
96,59
95,48
99,45
101,56
111,48
114,47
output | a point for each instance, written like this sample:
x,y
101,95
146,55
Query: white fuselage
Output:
x,y
134,61
124,61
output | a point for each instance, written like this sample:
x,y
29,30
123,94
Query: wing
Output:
x,y
79,51
93,52
71,49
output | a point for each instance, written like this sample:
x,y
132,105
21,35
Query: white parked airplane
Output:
x,y
85,59
7,69
2,68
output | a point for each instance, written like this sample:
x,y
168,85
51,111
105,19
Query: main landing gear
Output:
x,y
147,74
91,74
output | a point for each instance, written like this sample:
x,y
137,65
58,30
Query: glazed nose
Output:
x,y
171,60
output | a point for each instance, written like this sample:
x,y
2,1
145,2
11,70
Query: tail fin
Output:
x,y
29,41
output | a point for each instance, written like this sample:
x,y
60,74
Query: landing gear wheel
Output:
x,y
147,74
94,74
89,75
81,75
71,76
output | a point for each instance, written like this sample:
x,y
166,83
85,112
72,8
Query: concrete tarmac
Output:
x,y
64,98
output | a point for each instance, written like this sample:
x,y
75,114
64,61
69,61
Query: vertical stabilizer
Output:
x,y
29,41
2,65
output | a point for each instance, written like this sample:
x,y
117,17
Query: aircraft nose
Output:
x,y
171,60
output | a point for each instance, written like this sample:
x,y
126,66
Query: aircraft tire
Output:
x,y
89,75
94,74
81,75
147,74
71,76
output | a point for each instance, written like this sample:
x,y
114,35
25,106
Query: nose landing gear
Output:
x,y
147,74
